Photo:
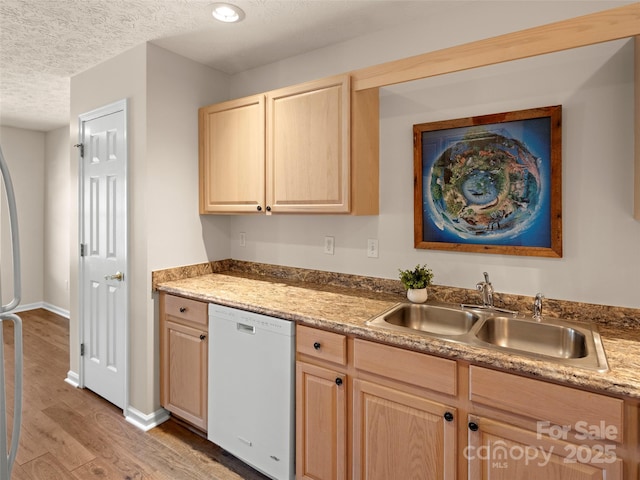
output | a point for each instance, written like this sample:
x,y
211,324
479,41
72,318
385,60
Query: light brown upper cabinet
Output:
x,y
307,148
232,156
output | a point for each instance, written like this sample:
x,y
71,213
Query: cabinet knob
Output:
x,y
448,416
268,208
259,207
183,309
203,336
473,426
317,345
338,381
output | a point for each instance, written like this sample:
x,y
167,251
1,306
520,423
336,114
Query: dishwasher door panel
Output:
x,y
251,394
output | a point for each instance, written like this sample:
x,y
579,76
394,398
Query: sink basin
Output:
x,y
432,319
551,340
556,340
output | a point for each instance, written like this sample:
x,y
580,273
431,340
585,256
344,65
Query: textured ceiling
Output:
x,y
45,42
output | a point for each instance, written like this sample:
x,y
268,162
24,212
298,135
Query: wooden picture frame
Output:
x,y
490,184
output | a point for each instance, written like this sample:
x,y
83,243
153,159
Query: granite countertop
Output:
x,y
346,310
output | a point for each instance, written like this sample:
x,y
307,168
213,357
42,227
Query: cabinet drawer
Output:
x,y
546,401
186,309
423,370
328,346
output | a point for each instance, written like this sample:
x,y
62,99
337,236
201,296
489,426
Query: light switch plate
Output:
x,y
372,248
329,245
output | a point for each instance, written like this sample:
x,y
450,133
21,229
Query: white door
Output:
x,y
103,263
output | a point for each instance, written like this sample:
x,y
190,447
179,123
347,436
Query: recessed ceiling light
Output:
x,y
227,12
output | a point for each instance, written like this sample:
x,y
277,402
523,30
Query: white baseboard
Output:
x,y
73,379
146,422
56,310
29,306
133,416
44,305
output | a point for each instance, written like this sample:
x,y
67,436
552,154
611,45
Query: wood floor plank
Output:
x,y
156,455
30,447
47,467
18,473
100,469
57,442
83,429
201,450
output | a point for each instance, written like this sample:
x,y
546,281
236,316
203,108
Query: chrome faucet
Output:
x,y
486,290
537,307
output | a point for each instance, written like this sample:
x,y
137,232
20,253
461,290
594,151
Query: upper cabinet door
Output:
x,y
308,147
232,161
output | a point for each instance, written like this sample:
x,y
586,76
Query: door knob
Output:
x,y
116,276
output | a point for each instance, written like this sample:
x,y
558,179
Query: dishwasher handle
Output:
x,y
244,328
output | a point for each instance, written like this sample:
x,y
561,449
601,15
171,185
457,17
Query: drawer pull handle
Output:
x,y
317,345
203,336
338,381
183,309
473,426
448,416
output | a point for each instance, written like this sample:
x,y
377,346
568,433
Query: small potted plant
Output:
x,y
416,282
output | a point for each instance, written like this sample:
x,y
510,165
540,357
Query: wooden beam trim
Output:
x,y
612,24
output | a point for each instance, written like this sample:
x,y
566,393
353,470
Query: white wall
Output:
x,y
57,197
24,151
595,86
119,78
176,88
39,164
164,92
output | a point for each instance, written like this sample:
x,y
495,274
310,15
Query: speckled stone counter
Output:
x,y
321,299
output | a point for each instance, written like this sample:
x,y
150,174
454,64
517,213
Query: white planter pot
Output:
x,y
417,295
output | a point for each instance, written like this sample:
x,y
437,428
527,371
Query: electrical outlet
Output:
x,y
243,239
328,245
372,248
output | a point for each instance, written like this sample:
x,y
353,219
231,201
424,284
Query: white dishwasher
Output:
x,y
251,389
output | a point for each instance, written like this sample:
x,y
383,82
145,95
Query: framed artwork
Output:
x,y
490,184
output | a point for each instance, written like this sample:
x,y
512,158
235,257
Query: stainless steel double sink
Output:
x,y
550,339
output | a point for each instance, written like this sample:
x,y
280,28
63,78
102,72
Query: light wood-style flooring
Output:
x,y
69,433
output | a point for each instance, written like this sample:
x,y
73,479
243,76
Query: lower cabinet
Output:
x,y
368,411
399,435
321,405
574,435
399,429
183,358
321,418
499,451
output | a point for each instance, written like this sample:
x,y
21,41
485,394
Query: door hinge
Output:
x,y
83,249
82,349
81,147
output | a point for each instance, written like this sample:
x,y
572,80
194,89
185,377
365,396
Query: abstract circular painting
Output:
x,y
488,184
